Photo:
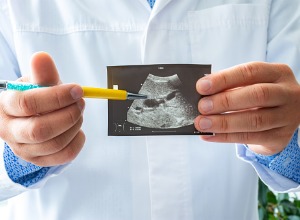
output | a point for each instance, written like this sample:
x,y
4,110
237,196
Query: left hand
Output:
x,y
254,103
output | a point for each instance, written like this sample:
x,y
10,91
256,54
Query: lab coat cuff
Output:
x,y
10,189
274,180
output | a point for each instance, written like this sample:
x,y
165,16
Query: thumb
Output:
x,y
43,70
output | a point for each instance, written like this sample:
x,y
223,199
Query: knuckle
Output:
x,y
58,143
285,72
284,68
74,148
226,137
66,155
260,94
243,137
226,101
257,122
32,136
74,115
38,131
28,105
61,141
224,79
224,126
249,70
58,99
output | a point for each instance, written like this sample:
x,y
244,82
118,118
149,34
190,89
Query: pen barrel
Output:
x,y
21,86
113,94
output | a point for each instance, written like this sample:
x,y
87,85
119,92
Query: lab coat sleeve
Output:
x,y
9,69
283,46
279,172
10,189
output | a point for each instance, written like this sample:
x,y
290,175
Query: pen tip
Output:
x,y
3,84
132,96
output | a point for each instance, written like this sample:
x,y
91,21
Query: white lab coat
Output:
x,y
155,177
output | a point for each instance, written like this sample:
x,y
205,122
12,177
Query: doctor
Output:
x,y
57,165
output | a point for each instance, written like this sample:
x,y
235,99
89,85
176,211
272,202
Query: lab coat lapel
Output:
x,y
145,4
158,6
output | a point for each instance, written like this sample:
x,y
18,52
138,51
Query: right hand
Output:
x,y
42,126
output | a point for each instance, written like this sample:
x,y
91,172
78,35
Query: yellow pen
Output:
x,y
89,92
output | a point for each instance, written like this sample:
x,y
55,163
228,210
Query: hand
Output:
x,y
254,103
42,126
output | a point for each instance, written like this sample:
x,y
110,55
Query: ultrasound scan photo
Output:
x,y
171,104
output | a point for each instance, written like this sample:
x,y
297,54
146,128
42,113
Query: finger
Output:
x,y
253,96
41,100
246,121
241,75
41,128
43,70
268,142
28,151
66,155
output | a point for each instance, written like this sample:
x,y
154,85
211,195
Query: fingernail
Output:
x,y
204,84
76,92
81,105
205,123
206,104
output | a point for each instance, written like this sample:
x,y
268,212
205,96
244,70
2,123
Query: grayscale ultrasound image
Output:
x,y
166,106
172,100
